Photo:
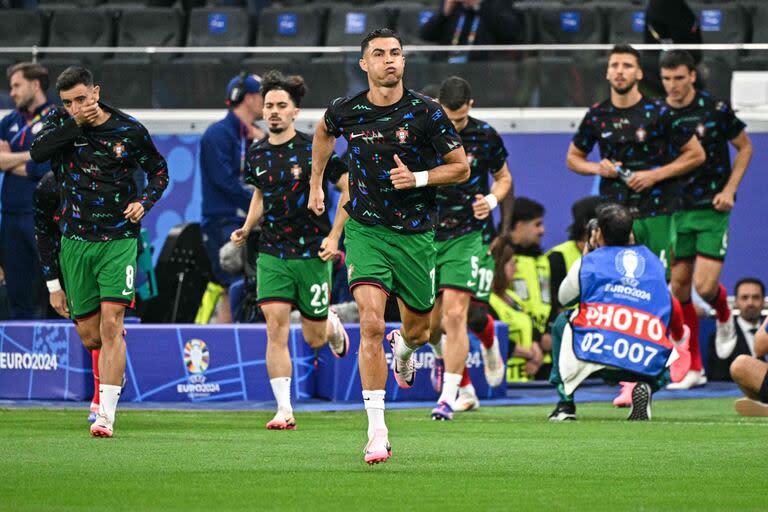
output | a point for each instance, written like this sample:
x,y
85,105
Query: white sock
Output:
x,y
108,396
281,388
450,388
374,406
402,350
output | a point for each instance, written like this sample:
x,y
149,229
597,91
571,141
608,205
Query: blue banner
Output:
x,y
196,363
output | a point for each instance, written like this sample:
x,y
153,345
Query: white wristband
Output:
x,y
492,201
53,285
421,178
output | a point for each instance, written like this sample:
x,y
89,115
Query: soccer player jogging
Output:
x,y
708,196
296,246
464,268
641,151
94,150
400,145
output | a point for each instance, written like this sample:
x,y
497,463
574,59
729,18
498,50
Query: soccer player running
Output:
x,y
296,246
400,145
94,150
708,196
464,268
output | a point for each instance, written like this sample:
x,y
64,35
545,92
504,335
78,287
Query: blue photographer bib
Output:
x,y
624,310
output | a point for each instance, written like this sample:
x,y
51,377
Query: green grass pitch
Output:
x,y
694,455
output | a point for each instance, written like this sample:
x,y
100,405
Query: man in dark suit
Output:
x,y
736,336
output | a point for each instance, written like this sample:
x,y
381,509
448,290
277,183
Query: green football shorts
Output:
x,y
403,264
302,282
96,272
701,232
657,234
458,262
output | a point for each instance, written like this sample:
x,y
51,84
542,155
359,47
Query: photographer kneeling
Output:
x,y
626,317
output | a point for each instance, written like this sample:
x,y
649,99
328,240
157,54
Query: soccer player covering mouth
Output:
x,y
296,246
401,145
94,150
464,264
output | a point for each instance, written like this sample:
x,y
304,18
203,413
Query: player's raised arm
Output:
x,y
322,148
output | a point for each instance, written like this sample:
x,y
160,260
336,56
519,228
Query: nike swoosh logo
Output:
x,y
471,283
260,173
127,292
80,144
355,135
318,311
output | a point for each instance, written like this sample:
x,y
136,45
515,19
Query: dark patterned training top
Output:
x,y
642,138
282,172
417,130
714,123
486,155
95,169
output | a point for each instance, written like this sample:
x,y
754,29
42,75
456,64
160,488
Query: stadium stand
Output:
x,y
197,23
218,26
83,27
150,26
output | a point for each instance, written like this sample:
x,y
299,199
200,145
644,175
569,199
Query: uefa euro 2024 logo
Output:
x,y
631,265
196,356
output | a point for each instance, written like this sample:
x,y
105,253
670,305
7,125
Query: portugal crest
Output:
x,y
402,135
296,171
640,134
118,149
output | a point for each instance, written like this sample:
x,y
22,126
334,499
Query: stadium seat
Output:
x,y
149,26
192,83
218,26
626,24
508,83
21,27
291,26
82,28
722,23
569,24
348,25
409,19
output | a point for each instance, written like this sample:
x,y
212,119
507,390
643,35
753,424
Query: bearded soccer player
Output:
x,y
709,194
295,246
463,235
641,151
401,145
94,150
